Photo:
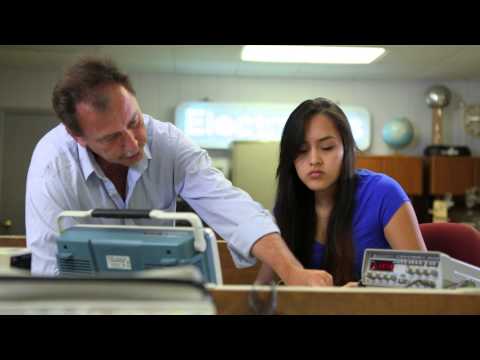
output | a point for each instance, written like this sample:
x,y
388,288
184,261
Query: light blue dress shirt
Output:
x,y
65,176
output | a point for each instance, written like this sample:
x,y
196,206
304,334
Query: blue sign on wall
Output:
x,y
217,125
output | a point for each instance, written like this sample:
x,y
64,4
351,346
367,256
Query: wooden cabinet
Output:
x,y
453,174
476,171
374,163
442,174
13,241
407,170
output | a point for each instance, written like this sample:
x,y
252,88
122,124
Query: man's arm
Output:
x,y
247,227
40,230
45,198
274,253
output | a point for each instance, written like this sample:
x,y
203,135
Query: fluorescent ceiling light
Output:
x,y
311,54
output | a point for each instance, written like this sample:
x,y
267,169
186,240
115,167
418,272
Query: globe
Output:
x,y
398,133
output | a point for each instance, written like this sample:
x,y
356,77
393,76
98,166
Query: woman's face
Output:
x,y
319,161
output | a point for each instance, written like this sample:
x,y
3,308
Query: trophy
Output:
x,y
438,97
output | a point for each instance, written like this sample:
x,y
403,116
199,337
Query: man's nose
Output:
x,y
130,142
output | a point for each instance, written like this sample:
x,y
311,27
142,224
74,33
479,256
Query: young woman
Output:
x,y
327,211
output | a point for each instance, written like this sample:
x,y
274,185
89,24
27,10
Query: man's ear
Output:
x,y
78,138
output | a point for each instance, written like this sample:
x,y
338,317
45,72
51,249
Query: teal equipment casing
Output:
x,y
85,250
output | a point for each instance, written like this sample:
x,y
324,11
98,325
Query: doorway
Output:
x,y
21,132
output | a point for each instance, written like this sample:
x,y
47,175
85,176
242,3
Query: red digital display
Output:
x,y
381,265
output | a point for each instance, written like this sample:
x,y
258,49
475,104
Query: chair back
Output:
x,y
460,241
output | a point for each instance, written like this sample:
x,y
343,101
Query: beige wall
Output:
x,y
159,94
1,160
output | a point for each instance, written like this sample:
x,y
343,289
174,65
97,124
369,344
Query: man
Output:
x,y
107,154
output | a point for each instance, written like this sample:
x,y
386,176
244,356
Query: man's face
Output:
x,y
118,134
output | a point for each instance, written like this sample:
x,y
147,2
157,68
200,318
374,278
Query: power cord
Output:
x,y
263,307
462,284
420,281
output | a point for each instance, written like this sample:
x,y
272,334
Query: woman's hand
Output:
x,y
351,284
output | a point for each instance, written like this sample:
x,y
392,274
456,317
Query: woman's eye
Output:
x,y
327,148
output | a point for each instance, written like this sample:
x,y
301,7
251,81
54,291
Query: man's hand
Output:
x,y
299,276
274,253
303,277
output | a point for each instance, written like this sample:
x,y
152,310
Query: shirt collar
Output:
x,y
86,161
89,165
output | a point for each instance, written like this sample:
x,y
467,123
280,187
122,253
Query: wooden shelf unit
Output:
x,y
407,170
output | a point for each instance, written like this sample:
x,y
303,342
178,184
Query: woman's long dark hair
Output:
x,y
294,208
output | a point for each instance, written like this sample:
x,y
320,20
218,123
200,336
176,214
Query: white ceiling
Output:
x,y
400,62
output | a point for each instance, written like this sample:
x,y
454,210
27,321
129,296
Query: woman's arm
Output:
x,y
402,231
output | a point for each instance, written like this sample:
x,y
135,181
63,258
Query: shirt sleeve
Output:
x,y
230,211
392,198
45,199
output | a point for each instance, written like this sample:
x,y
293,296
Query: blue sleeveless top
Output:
x,y
377,198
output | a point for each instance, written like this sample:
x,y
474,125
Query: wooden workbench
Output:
x,y
293,300
232,298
